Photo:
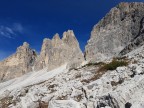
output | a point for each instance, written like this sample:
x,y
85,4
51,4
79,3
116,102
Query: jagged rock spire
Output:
x,y
18,64
70,39
56,37
57,52
25,44
56,41
54,53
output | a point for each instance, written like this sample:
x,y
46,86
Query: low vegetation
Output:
x,y
5,102
105,67
113,65
97,75
93,64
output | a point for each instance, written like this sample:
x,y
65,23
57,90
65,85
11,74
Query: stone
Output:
x,y
18,64
33,105
57,52
121,28
54,53
63,104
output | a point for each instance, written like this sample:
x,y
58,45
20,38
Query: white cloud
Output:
x,y
11,31
6,32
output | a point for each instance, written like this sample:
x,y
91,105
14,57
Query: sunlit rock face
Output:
x,y
18,64
122,26
88,86
56,52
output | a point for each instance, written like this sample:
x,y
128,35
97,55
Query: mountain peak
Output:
x,y
25,44
115,31
57,52
68,34
70,39
19,63
56,37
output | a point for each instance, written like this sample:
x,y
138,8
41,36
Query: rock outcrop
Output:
x,y
89,86
79,88
54,53
121,28
18,64
57,52
64,104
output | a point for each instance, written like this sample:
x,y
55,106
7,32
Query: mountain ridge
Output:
x,y
113,33
112,76
54,53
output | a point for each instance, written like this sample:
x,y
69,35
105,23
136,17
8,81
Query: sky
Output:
x,y
33,20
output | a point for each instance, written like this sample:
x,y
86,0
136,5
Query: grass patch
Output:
x,y
113,65
105,67
93,64
97,75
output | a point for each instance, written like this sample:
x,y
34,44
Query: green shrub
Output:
x,y
93,64
114,64
103,67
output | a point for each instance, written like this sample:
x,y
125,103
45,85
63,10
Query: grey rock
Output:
x,y
121,26
107,101
18,64
54,53
33,105
57,52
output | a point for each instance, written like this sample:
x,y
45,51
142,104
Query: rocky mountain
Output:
x,y
85,87
57,52
62,79
120,31
18,64
54,53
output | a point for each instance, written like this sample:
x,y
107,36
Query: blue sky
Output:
x,y
34,20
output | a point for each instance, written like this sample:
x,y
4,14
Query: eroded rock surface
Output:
x,y
79,88
121,27
18,64
57,52
64,104
54,53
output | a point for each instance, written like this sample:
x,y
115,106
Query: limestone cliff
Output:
x,y
57,52
121,26
18,64
54,53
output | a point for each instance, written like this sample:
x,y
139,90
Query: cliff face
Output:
x,y
57,52
54,53
121,26
18,64
93,85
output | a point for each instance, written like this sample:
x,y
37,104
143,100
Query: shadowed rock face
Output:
x,y
18,64
57,52
107,101
121,26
